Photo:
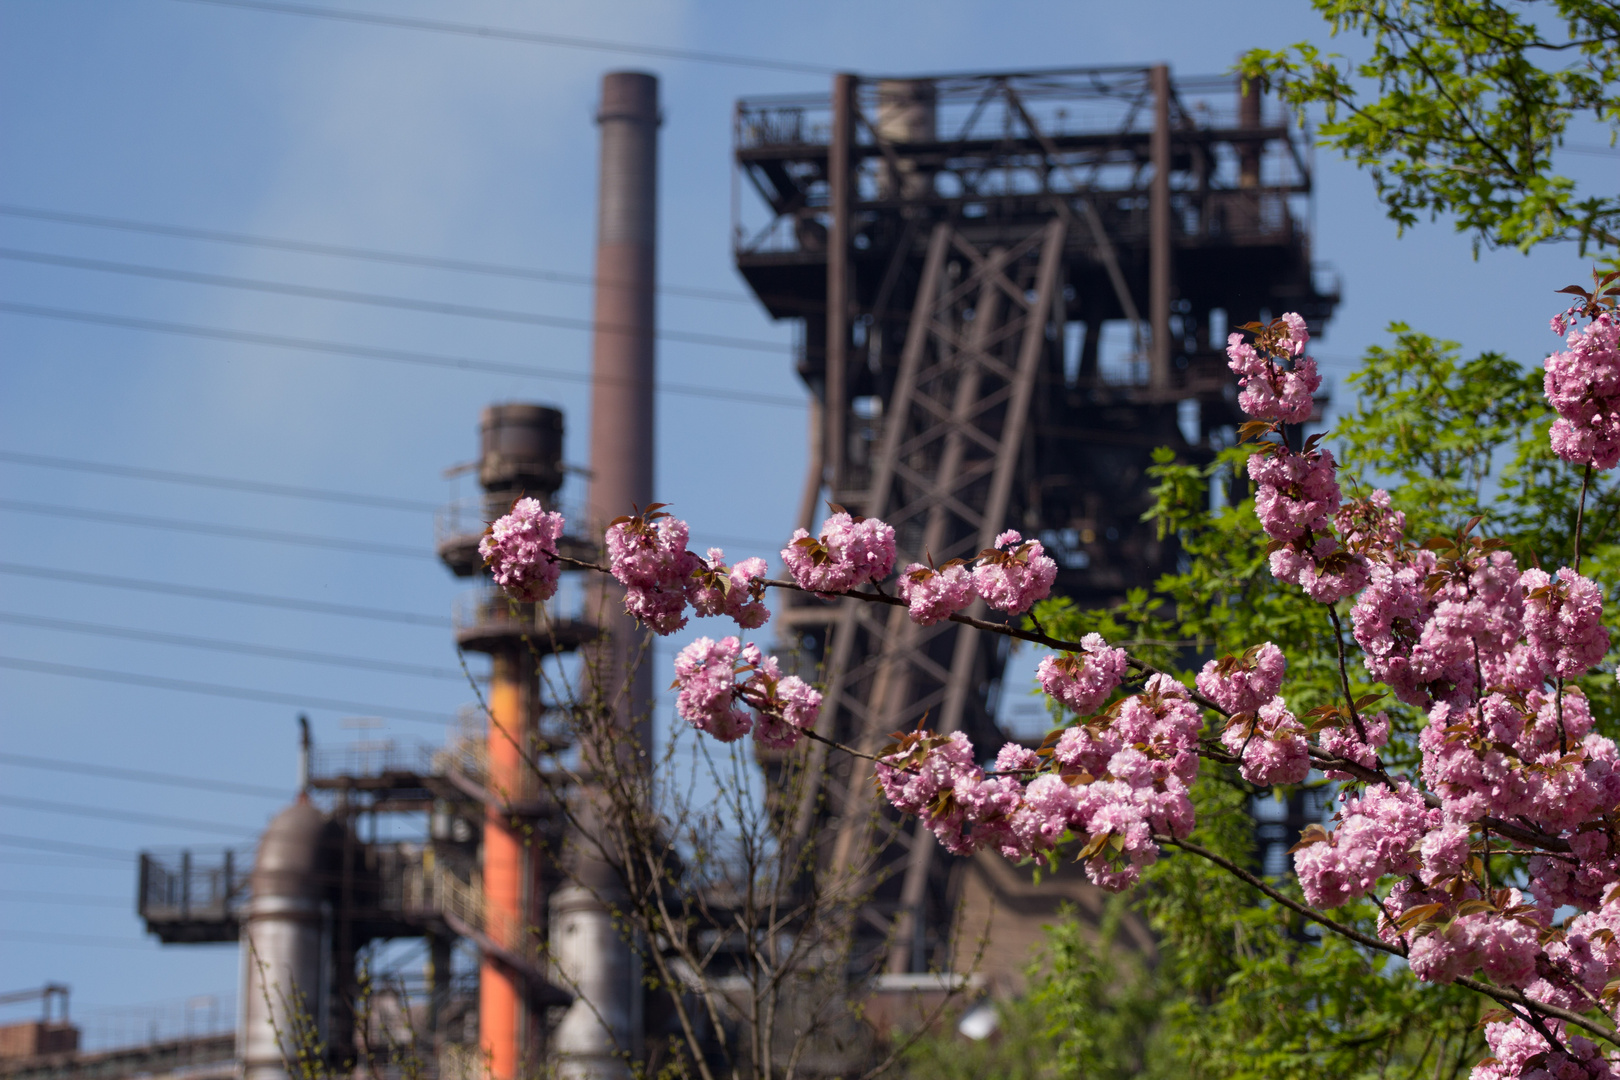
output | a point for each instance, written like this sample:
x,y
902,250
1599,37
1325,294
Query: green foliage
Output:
x,y
1434,427
1461,106
1244,988
1091,1010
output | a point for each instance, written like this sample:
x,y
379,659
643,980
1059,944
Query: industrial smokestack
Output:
x,y
596,962
622,367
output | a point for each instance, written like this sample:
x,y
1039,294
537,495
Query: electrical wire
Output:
x,y
398,303
141,776
187,686
230,596
88,940
529,37
65,847
372,353
92,941
132,816
129,633
220,236
66,862
16,896
287,490
235,532
226,483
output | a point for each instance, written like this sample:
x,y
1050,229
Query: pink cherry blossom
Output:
x,y
1345,742
1015,757
936,594
786,706
1279,387
848,552
647,554
1271,744
1375,837
520,549
661,609
1295,492
1505,948
737,591
1520,1052
1160,727
1583,386
1014,574
705,674
1241,684
1083,681
1563,621
1371,527
1446,852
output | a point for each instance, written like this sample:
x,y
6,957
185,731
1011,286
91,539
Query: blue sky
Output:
x,y
474,149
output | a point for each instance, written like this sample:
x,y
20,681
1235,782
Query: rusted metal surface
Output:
x,y
1176,205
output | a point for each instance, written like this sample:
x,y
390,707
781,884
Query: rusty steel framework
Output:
x,y
940,238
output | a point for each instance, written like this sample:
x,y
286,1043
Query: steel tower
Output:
x,y
954,247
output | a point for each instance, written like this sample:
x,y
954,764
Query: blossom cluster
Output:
x,y
1583,387
713,699
1112,782
520,550
1277,380
849,551
1456,628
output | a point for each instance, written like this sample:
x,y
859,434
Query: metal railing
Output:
x,y
192,886
371,758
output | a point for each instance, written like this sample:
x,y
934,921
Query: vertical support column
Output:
x,y
502,1012
1249,120
840,194
438,977
594,1038
1159,247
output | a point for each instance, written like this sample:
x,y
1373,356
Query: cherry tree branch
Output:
x,y
1531,837
1505,995
1344,674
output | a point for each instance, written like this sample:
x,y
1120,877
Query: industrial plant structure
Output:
x,y
1012,288
956,248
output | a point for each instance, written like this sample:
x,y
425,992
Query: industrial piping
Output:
x,y
599,1030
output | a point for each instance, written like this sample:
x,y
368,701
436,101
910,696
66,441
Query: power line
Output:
x,y
134,816
226,483
17,896
340,251
230,596
529,37
235,532
66,862
65,847
400,303
230,483
187,686
372,353
88,940
142,776
245,648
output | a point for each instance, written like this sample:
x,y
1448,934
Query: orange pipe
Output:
x,y
500,1002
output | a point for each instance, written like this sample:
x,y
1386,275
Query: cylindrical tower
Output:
x,y
622,358
520,454
286,935
596,962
